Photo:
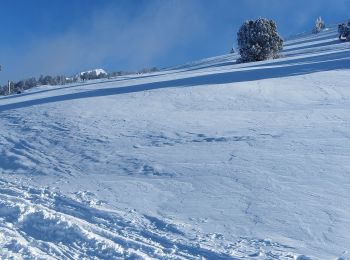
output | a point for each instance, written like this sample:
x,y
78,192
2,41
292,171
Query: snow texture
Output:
x,y
208,160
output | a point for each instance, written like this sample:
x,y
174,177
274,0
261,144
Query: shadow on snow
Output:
x,y
258,72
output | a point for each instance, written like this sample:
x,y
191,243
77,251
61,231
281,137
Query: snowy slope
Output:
x,y
211,159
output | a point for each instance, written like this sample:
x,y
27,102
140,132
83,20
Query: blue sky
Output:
x,y
68,36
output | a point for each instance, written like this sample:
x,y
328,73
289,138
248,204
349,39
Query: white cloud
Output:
x,y
135,40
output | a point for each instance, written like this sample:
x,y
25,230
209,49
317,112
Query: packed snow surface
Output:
x,y
212,159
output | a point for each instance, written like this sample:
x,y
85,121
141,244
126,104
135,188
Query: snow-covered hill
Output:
x,y
211,159
90,74
96,71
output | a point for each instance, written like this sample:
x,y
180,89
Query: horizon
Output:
x,y
65,38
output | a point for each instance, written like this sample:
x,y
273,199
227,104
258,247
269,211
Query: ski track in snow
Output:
x,y
211,159
39,223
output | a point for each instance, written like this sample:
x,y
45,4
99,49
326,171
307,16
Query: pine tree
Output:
x,y
319,25
258,40
344,31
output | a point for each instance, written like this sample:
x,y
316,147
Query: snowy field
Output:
x,y
211,159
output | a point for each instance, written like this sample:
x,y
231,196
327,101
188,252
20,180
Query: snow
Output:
x,y
211,159
98,72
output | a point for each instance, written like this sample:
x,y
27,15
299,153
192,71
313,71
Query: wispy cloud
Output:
x,y
111,36
155,33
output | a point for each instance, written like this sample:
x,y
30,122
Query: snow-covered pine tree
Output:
x,y
258,40
344,31
319,25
